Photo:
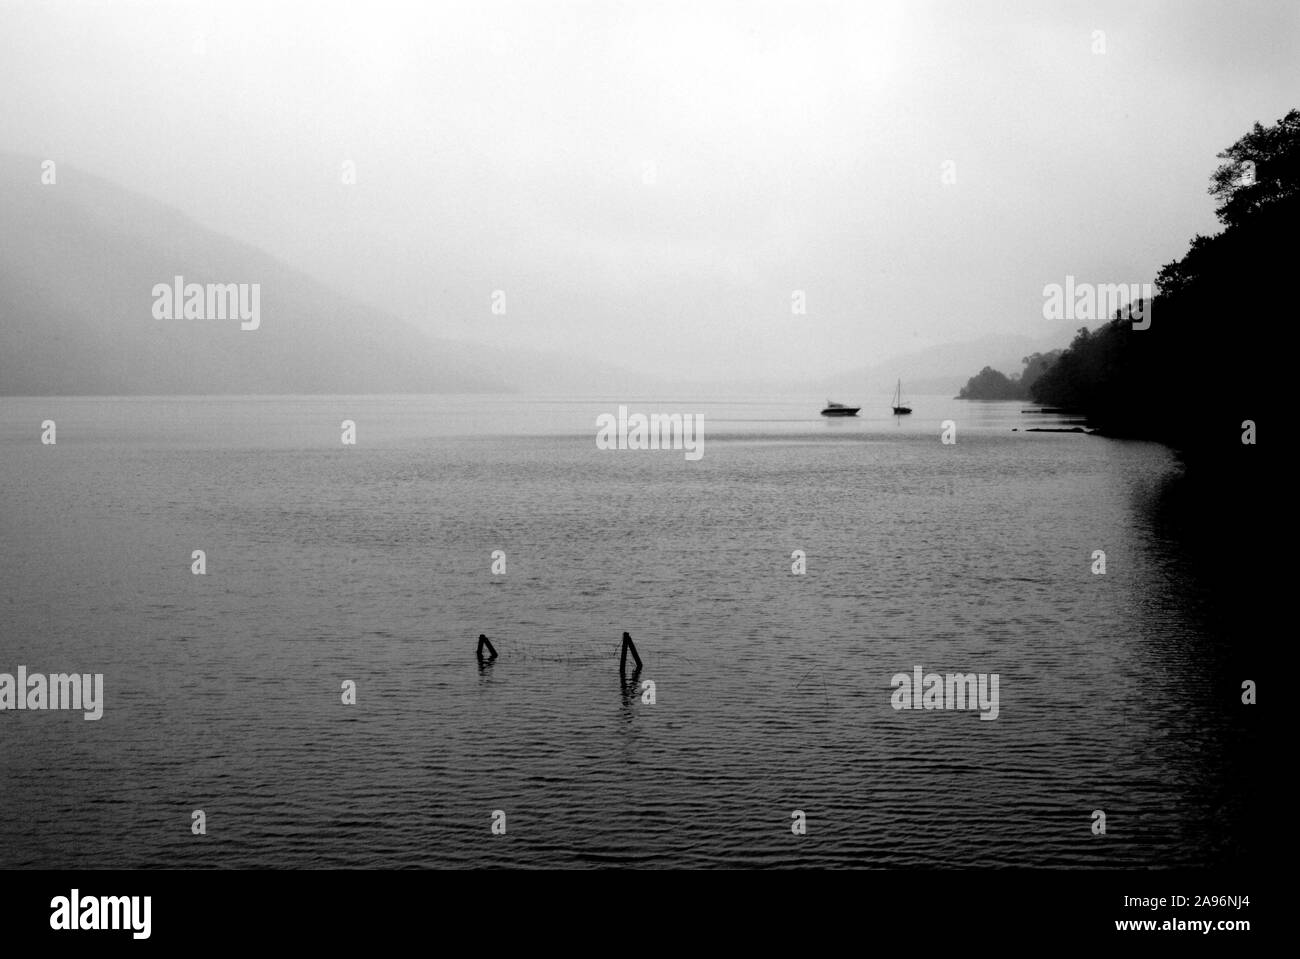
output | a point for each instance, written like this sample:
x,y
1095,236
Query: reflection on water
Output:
x,y
373,564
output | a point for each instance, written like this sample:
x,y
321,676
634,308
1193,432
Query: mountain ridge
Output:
x,y
76,274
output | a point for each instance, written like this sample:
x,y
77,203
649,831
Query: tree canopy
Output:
x,y
990,384
1194,375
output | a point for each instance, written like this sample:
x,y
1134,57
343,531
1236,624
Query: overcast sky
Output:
x,y
650,182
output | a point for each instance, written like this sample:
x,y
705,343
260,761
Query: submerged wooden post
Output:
x,y
628,646
484,641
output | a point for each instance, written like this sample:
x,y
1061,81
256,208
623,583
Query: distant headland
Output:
x,y
1176,374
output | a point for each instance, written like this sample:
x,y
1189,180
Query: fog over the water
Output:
x,y
649,183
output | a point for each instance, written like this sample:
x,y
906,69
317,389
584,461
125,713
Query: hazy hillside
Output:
x,y
78,262
939,369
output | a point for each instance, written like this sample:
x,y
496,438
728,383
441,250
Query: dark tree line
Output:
x,y
1198,372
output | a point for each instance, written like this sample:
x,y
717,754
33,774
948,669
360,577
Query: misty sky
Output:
x,y
789,146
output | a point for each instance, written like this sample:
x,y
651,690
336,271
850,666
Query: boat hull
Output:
x,y
842,411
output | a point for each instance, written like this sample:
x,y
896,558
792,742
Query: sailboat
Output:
x,y
899,408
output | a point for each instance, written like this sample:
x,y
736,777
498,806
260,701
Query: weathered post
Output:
x,y
628,647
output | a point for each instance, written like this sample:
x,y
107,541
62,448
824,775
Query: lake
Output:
x,y
373,563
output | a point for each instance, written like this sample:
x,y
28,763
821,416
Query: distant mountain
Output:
x,y
936,370
79,260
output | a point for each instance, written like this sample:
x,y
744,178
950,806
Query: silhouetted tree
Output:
x,y
1195,374
1036,364
990,384
1263,168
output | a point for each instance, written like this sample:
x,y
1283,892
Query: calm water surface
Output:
x,y
372,563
